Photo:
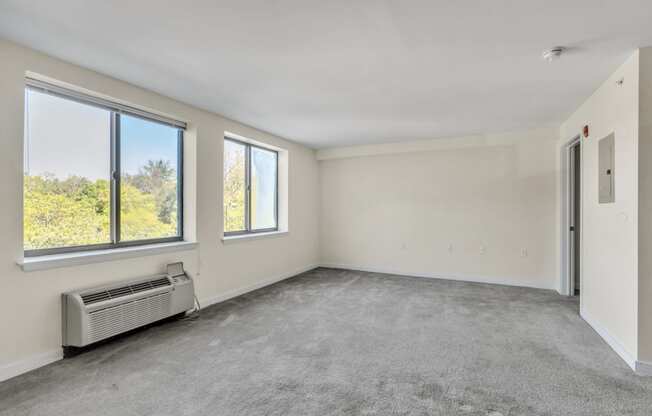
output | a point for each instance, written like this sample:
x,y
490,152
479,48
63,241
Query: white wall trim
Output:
x,y
229,239
39,360
29,264
35,361
444,143
640,367
564,245
495,280
612,341
241,291
644,368
76,88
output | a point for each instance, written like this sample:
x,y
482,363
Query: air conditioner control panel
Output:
x,y
180,279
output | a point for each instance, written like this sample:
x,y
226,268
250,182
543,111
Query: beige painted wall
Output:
x,y
609,231
29,302
645,208
462,208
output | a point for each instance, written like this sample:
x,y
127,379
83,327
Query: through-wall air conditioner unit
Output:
x,y
94,314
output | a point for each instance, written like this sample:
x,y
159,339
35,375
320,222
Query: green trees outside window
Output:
x,y
77,156
76,211
250,188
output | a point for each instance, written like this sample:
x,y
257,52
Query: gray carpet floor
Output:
x,y
333,342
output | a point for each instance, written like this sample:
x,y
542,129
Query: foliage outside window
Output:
x,y
96,178
250,188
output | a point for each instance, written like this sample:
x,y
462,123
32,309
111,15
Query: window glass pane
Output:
x,y
234,186
263,189
148,184
67,173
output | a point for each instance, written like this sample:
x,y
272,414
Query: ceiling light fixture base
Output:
x,y
553,53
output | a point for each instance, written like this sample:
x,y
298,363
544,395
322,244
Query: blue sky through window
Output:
x,y
66,138
144,140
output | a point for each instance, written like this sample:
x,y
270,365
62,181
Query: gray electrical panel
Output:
x,y
606,182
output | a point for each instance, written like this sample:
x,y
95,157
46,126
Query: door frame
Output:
x,y
567,284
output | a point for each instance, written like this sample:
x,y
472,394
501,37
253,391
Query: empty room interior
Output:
x,y
372,207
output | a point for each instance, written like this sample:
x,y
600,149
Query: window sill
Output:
x,y
253,236
54,261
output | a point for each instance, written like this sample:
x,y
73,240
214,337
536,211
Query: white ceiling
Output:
x,y
343,72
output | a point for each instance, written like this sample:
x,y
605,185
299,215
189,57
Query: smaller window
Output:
x,y
250,188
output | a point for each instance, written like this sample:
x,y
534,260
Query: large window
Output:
x,y
250,188
97,176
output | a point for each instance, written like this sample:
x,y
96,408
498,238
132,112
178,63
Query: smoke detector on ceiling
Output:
x,y
553,53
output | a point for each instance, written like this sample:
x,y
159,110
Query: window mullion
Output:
x,y
248,188
115,177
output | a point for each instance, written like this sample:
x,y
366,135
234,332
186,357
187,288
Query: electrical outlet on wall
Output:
x,y
524,252
482,250
450,248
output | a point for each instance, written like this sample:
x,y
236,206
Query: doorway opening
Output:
x,y
571,218
574,216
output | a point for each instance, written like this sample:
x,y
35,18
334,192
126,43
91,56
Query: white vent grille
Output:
x,y
102,295
111,321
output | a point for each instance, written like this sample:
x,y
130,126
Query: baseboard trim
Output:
x,y
494,280
12,370
39,360
615,345
241,291
644,368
